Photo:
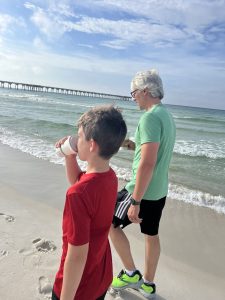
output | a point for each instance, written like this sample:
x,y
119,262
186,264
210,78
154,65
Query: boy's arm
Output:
x,y
73,270
72,168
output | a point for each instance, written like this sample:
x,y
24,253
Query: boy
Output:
x,y
85,272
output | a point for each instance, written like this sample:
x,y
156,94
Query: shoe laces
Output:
x,y
122,272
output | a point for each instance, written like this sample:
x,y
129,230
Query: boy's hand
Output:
x,y
61,142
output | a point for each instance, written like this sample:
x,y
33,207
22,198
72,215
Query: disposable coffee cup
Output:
x,y
68,147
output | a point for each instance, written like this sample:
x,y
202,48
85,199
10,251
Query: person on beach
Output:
x,y
148,187
85,270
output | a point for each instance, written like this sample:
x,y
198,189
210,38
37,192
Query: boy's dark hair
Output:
x,y
106,126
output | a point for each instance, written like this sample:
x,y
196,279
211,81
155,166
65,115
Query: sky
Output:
x,y
99,45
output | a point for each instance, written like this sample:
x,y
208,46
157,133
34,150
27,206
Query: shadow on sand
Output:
x,y
131,294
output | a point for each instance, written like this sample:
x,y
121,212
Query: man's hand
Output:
x,y
133,213
130,145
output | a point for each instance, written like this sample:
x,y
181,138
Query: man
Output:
x,y
148,188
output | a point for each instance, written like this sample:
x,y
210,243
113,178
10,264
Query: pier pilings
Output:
x,y
58,90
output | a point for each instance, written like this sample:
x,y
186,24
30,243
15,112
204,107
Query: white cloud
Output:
x,y
39,44
141,31
193,13
48,20
5,22
8,23
192,16
49,26
62,8
116,44
157,22
29,5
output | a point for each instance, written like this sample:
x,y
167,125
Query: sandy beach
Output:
x,y
192,263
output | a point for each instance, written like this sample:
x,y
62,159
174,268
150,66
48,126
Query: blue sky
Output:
x,y
99,45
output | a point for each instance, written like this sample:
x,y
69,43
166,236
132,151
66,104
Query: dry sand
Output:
x,y
192,264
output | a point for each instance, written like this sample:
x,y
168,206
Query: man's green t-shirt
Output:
x,y
156,126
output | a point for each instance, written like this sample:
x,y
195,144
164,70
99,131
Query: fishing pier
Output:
x,y
57,90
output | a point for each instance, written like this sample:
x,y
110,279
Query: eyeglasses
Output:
x,y
133,93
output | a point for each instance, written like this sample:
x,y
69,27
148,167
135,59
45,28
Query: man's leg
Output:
x,y
152,253
125,278
122,247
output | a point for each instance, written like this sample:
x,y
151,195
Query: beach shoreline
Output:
x,y
32,198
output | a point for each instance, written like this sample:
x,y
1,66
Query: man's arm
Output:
x,y
73,270
145,170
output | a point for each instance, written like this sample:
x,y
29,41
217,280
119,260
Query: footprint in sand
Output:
x,y
3,253
32,256
8,218
43,245
45,287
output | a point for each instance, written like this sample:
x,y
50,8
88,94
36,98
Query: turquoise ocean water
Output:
x,y
32,122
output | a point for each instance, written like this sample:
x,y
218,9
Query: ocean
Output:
x,y
32,122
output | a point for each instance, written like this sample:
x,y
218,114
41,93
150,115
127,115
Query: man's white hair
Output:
x,y
148,80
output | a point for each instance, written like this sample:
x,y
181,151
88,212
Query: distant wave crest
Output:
x,y
200,148
201,119
43,99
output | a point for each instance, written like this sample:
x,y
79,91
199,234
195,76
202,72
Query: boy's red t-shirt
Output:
x,y
87,218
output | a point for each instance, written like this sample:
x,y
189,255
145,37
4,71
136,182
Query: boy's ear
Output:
x,y
93,146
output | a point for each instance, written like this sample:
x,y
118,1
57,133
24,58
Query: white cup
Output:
x,y
68,147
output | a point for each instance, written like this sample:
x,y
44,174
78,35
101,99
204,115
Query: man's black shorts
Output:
x,y
150,213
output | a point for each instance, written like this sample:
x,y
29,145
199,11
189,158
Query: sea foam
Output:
x,y
200,148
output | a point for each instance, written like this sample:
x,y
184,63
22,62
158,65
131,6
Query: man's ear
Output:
x,y
145,91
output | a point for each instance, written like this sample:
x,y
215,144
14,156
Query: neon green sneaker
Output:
x,y
123,281
148,290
